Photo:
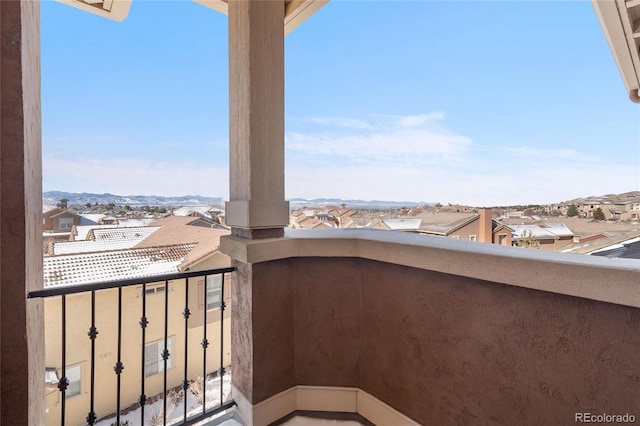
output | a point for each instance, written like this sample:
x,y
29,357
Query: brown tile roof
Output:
x,y
178,230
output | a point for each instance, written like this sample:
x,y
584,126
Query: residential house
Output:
x,y
149,259
101,239
478,226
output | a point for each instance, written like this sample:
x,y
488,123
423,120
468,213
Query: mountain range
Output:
x,y
54,197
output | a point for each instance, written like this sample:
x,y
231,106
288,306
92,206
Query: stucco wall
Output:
x,y
440,348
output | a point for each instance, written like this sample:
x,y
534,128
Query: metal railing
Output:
x,y
176,280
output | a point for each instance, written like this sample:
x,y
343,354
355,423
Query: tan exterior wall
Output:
x,y
47,222
67,215
467,231
507,241
439,348
79,349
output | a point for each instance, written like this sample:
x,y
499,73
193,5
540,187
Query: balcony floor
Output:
x,y
303,419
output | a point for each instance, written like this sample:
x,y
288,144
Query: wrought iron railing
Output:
x,y
179,282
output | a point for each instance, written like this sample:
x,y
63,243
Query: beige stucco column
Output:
x,y
21,321
257,207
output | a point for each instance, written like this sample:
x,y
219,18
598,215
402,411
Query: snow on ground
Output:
x,y
175,414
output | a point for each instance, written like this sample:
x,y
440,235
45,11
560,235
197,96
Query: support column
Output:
x,y
257,208
21,321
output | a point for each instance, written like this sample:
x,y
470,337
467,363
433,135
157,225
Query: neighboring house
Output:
x,y
478,226
100,239
468,226
602,241
546,238
177,246
629,249
59,220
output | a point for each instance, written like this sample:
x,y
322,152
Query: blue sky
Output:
x,y
483,103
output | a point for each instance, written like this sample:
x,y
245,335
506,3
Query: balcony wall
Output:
x,y
442,331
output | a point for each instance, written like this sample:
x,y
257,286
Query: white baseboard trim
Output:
x,y
319,398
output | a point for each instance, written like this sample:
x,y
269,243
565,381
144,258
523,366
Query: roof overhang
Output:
x,y
116,10
620,21
295,12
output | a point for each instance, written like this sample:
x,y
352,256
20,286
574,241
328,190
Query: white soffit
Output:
x,y
116,10
620,21
296,11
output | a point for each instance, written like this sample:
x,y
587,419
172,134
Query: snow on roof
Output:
x,y
94,217
532,230
187,211
83,230
105,240
89,268
403,224
560,229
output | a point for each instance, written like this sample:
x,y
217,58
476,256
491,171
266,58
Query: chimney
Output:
x,y
485,228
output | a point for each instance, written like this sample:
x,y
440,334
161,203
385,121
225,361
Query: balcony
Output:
x,y
400,329
413,329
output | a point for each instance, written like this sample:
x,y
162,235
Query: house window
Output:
x,y
213,290
74,376
65,223
154,290
153,362
473,238
456,237
501,239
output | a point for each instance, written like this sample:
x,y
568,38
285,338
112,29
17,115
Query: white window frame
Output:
x,y
213,292
473,238
153,290
74,376
67,225
501,239
153,355
456,237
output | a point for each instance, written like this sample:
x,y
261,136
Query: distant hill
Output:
x,y
357,204
54,197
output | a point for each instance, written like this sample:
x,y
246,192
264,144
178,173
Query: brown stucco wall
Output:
x,y
439,348
21,321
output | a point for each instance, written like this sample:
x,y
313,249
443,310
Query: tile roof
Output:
x,y
105,240
113,265
179,230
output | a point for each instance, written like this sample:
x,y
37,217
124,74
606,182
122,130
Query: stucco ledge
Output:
x,y
597,278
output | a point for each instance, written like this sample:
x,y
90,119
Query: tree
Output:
x,y
572,211
528,241
598,214
88,205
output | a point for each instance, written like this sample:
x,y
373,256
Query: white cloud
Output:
x,y
408,139
349,123
399,158
415,158
130,176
